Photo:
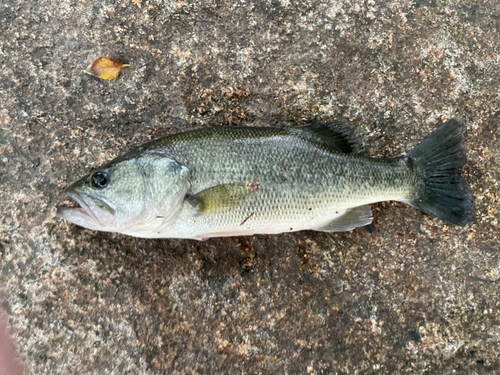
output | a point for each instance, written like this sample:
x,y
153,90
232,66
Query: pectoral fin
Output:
x,y
352,218
219,198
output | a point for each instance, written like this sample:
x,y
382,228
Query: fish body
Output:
x,y
229,181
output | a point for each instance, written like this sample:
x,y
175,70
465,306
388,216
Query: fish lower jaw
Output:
x,y
77,211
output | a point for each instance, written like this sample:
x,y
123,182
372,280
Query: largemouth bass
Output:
x,y
239,181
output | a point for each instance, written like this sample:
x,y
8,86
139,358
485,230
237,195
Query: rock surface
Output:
x,y
407,294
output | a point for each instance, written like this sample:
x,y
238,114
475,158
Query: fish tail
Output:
x,y
438,161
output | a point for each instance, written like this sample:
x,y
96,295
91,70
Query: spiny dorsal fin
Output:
x,y
352,218
337,135
219,198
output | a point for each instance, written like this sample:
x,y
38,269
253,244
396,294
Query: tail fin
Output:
x,y
438,161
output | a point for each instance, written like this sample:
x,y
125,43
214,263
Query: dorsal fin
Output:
x,y
337,135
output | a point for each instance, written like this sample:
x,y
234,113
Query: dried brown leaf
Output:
x,y
107,68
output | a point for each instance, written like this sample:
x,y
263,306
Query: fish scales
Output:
x,y
241,181
301,184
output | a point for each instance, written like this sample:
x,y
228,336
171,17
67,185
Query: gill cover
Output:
x,y
166,184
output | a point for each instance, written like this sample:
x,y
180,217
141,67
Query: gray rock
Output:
x,y
410,294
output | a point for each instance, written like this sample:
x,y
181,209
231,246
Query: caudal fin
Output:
x,y
438,161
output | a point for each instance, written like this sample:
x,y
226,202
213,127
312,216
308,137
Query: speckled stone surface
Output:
x,y
408,294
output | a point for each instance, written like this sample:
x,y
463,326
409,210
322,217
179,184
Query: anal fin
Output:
x,y
352,218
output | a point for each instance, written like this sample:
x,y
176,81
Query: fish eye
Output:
x,y
99,179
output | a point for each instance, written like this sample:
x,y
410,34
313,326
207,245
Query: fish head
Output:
x,y
128,196
106,199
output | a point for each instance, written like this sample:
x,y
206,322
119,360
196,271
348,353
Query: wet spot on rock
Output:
x,y
414,336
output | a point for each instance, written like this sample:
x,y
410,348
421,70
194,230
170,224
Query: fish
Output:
x,y
240,181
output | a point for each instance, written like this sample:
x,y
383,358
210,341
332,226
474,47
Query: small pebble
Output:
x,y
5,160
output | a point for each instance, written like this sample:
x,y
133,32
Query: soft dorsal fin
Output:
x,y
337,135
352,218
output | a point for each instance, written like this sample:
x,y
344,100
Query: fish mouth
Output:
x,y
86,211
